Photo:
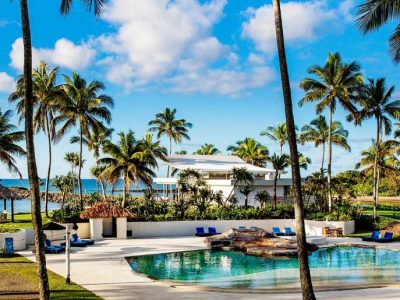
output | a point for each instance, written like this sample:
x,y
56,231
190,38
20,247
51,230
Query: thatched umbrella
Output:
x,y
6,193
106,210
53,226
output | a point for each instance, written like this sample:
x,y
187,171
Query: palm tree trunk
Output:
x,y
376,172
323,159
103,189
46,195
44,291
330,158
124,191
275,183
80,168
305,276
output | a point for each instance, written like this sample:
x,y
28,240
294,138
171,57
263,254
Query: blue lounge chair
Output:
x,y
374,235
277,231
388,237
254,227
200,232
289,232
212,231
51,249
242,227
75,238
75,242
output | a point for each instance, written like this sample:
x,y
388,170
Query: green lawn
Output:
x,y
18,280
384,213
22,220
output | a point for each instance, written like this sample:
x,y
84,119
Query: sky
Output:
x,y
214,61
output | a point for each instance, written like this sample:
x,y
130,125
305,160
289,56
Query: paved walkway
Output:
x,y
102,269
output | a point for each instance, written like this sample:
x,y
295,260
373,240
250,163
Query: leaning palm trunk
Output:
x,y
103,189
124,191
305,276
46,196
323,159
376,171
80,169
330,159
44,291
275,183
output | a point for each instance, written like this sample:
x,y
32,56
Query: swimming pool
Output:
x,y
228,269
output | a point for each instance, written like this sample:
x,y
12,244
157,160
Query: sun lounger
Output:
x,y
388,237
212,231
200,232
277,231
75,238
374,235
289,232
242,227
254,227
52,249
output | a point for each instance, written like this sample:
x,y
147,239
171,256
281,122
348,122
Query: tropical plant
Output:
x,y
97,138
336,83
152,149
96,172
373,14
304,161
279,164
376,103
85,108
127,160
9,138
207,149
263,197
277,133
305,275
65,184
318,133
166,124
241,177
315,186
250,151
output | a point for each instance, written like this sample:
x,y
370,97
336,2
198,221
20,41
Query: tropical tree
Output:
x,y
241,177
65,184
336,83
97,173
166,124
304,161
207,149
9,138
73,159
318,133
279,164
127,160
263,197
250,151
97,138
85,108
47,96
152,149
305,275
277,133
380,157
373,14
376,102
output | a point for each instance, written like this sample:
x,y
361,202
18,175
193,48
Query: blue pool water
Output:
x,y
229,269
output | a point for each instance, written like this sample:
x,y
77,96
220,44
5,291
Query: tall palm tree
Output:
x,y
166,124
279,164
250,151
127,160
376,103
318,133
9,138
85,108
305,276
97,138
47,96
336,83
207,149
373,14
304,161
277,133
381,157
96,171
152,150
241,177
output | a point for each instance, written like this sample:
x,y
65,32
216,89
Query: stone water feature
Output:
x,y
256,242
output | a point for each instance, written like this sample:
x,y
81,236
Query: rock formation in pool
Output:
x,y
256,242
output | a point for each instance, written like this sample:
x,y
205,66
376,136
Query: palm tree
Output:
x,y
277,133
376,103
64,184
127,160
305,276
97,138
250,151
242,177
207,149
337,83
152,150
304,161
47,96
373,14
318,133
96,172
9,138
85,108
166,124
379,159
279,164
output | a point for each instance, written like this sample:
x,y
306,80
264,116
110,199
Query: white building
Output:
x,y
217,171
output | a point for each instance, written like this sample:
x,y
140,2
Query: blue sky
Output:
x,y
214,61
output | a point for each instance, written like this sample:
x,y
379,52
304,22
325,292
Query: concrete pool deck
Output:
x,y
102,269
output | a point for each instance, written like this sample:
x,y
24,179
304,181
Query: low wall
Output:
x,y
188,228
19,239
57,235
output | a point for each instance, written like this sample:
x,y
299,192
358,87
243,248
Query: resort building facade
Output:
x,y
217,172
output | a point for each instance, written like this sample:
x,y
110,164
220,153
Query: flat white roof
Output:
x,y
213,163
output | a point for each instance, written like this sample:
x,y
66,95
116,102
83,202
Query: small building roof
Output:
x,y
106,210
213,163
6,193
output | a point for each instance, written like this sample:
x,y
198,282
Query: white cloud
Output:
x,y
65,54
302,21
7,83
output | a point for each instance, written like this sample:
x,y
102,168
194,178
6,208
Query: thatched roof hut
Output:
x,y
106,210
6,193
